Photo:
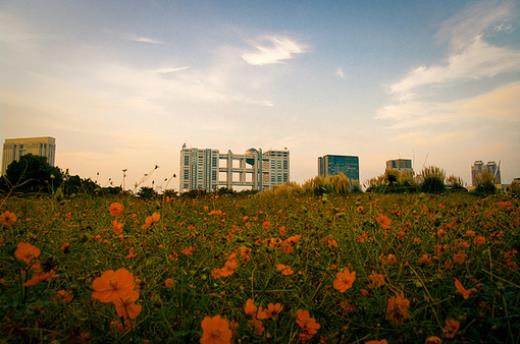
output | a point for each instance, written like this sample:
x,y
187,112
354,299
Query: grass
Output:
x,y
492,315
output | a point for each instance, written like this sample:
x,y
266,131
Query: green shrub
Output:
x,y
432,180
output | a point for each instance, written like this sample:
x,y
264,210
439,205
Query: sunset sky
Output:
x,y
123,84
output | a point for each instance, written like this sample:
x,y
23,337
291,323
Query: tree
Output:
x,y
146,193
33,174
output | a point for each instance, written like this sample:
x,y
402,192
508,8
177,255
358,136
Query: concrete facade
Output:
x,y
40,146
208,169
400,165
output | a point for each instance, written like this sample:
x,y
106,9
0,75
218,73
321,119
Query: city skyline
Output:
x,y
123,84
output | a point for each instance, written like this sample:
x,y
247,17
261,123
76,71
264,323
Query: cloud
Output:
x,y
146,40
474,20
169,70
339,73
273,49
477,61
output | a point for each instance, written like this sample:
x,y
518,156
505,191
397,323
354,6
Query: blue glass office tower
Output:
x,y
330,165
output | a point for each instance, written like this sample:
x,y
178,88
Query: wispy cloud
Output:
x,y
339,73
146,40
470,58
169,70
273,49
478,60
474,20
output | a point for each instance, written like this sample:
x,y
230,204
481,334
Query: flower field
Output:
x,y
281,269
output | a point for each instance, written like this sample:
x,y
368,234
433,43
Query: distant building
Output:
x,y
400,165
331,165
208,169
478,168
15,148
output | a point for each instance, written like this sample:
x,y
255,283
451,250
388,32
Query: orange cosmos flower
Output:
x,y
462,291
114,286
127,308
344,280
168,283
384,221
425,259
273,309
7,218
117,227
26,252
116,209
377,280
308,324
433,340
332,243
284,269
188,251
479,240
39,277
397,309
391,259
375,341
250,307
245,253
64,295
451,327
215,330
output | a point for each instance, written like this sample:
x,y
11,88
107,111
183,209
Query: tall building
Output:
x,y
491,167
330,165
15,148
208,169
400,165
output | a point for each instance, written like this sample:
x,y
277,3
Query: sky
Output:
x,y
124,84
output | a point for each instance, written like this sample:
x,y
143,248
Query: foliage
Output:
x,y
431,180
338,184
485,184
348,269
455,184
32,174
514,188
146,192
393,181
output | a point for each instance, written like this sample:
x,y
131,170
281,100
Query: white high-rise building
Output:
x,y
207,169
40,146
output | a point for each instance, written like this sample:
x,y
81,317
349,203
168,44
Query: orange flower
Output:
x,y
266,225
451,327
127,308
116,209
117,227
391,259
397,309
26,252
384,221
284,269
308,324
215,330
433,340
257,324
459,258
115,286
168,283
156,216
39,277
462,291
7,218
480,240
273,309
425,259
229,267
250,307
131,253
377,280
64,295
344,280
332,243
245,253
375,341
188,251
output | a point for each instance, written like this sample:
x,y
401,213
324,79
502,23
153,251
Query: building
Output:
x,y
491,167
330,165
400,165
208,169
15,148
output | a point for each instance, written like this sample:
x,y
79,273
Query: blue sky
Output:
x,y
123,84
